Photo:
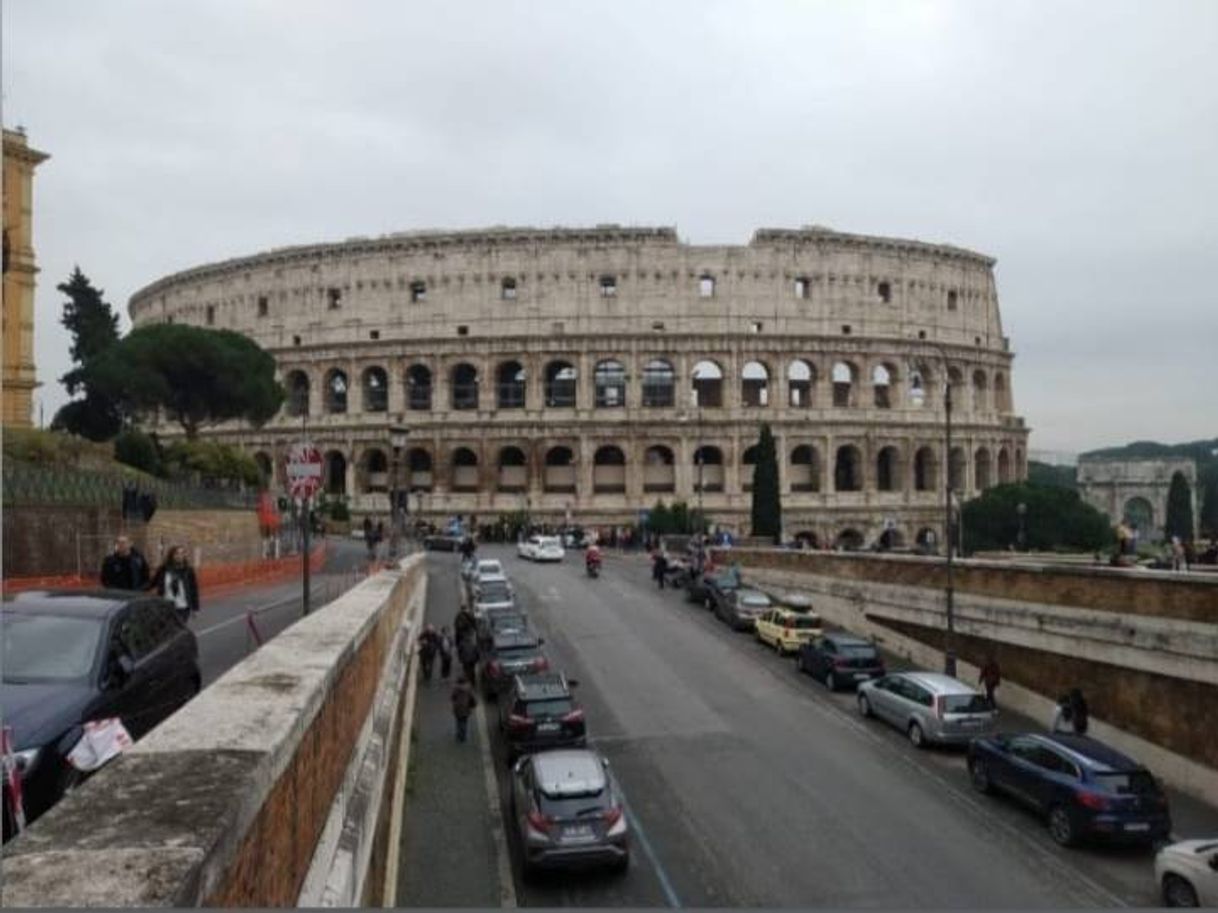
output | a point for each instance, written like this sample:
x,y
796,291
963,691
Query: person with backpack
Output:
x,y
463,703
429,645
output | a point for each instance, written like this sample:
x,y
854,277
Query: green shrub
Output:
x,y
340,512
213,461
134,448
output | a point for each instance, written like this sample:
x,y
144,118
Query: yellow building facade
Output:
x,y
19,375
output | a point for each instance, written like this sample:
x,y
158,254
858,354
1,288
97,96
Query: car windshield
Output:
x,y
494,593
557,706
966,703
755,600
803,622
549,543
1133,783
49,648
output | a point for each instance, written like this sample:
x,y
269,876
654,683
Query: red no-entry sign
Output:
x,y
304,470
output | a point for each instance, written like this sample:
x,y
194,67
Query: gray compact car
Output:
x,y
928,707
568,811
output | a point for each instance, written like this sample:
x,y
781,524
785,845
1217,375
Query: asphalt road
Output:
x,y
748,784
221,626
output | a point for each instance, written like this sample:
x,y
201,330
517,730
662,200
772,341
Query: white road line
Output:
x,y
507,887
670,893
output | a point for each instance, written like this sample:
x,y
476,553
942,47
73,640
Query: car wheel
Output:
x,y
979,775
1177,892
830,680
864,705
1061,828
708,603
916,735
800,666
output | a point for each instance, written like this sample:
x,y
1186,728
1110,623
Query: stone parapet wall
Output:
x,y
227,802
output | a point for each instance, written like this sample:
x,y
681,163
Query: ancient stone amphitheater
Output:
x,y
588,373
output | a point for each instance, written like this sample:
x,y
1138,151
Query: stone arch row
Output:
x,y
796,383
517,466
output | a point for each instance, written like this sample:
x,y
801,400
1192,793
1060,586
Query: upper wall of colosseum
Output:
x,y
604,281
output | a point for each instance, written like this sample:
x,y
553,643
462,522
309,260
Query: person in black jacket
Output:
x,y
124,568
175,580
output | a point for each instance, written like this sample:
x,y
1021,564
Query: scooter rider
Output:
x,y
592,558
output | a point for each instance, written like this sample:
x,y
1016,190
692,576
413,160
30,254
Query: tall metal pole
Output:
x,y
304,519
393,505
949,655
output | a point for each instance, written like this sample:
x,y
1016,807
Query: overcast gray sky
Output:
x,y
1075,142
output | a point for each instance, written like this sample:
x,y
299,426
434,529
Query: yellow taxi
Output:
x,y
786,628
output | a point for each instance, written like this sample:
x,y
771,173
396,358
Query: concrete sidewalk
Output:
x,y
451,853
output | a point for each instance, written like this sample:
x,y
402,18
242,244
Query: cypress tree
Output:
x,y
1179,509
767,506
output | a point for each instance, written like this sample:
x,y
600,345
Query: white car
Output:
x,y
1187,873
548,548
527,548
488,567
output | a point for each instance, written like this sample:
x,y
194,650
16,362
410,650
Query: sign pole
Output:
x,y
304,470
305,555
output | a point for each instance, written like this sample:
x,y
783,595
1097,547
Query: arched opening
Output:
x,y
510,385
807,539
1139,514
918,379
843,385
298,393
801,379
561,385
888,469
981,392
748,461
513,470
610,381
981,469
465,469
418,388
926,469
955,380
1002,395
755,385
1004,467
265,467
659,470
609,470
955,470
335,471
708,385
418,469
376,390
374,471
560,470
849,540
882,380
927,539
848,469
891,538
659,384
805,469
464,386
336,392
708,468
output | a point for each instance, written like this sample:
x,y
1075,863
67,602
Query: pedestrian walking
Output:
x,y
990,679
467,655
124,568
175,580
464,624
429,646
446,653
369,538
463,702
1079,712
1062,714
1177,554
660,567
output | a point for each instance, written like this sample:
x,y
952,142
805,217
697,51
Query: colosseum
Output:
x,y
581,375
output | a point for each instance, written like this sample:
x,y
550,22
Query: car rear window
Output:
x,y
575,806
756,601
802,622
857,651
49,648
557,706
496,593
516,653
1133,783
966,703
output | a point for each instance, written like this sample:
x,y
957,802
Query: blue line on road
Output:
x,y
670,893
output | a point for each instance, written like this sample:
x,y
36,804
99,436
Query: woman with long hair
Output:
x,y
175,580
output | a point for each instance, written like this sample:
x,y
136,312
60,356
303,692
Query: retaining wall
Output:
x,y
271,781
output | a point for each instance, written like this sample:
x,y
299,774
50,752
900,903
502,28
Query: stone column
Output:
x,y
395,378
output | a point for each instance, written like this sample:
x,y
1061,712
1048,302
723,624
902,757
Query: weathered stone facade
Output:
x,y
592,372
1135,490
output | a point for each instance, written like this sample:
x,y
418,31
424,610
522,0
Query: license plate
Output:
x,y
1137,827
548,727
579,833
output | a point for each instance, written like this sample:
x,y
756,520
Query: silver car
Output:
x,y
928,707
568,811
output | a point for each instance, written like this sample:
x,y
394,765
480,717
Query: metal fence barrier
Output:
x,y
28,483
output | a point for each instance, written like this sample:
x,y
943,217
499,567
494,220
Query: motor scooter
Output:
x,y
593,566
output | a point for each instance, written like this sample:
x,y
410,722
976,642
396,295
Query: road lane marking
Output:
x,y
507,887
670,893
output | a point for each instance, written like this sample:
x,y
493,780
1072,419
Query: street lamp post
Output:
x,y
949,652
397,438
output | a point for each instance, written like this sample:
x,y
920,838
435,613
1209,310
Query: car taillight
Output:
x,y
1092,800
575,716
540,822
516,721
541,664
613,815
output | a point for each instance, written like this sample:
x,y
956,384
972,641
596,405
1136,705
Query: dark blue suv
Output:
x,y
1081,786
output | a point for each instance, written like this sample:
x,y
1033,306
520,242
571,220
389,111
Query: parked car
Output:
x,y
1187,873
540,712
1082,787
741,607
568,811
928,707
548,548
487,567
716,586
508,654
491,591
786,630
840,660
74,656
501,620
527,548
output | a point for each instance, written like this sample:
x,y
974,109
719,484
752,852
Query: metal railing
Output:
x,y
30,484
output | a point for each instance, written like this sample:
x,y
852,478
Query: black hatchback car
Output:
x,y
509,654
540,712
70,657
1082,787
840,660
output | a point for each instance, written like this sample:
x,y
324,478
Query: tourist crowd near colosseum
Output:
x,y
584,374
